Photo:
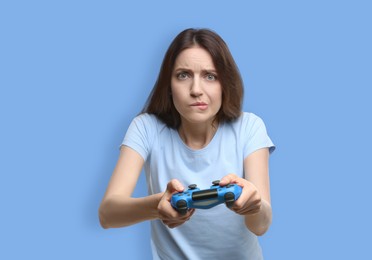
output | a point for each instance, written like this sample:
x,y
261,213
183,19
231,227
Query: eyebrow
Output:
x,y
189,70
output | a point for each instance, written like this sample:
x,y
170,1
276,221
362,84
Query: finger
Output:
x,y
248,200
230,178
171,224
174,223
248,212
188,215
248,208
174,186
175,216
166,211
191,212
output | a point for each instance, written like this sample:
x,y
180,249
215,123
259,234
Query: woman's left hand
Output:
x,y
249,202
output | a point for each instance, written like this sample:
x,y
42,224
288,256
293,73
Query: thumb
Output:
x,y
230,178
173,187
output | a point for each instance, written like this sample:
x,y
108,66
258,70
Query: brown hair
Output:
x,y
160,101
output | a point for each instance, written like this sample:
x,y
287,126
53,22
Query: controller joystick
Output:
x,y
192,186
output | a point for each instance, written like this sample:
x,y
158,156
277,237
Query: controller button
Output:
x,y
192,186
216,182
229,185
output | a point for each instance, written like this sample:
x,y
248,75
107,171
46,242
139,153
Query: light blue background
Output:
x,y
74,73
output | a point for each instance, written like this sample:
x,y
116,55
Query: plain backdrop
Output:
x,y
73,74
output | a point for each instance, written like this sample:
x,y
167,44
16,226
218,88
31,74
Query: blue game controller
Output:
x,y
205,199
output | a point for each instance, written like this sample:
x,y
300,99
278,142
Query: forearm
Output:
x,y
259,222
118,212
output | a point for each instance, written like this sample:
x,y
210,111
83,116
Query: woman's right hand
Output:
x,y
167,214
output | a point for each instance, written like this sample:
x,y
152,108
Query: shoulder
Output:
x,y
253,131
146,118
249,126
142,133
150,126
246,120
146,121
250,117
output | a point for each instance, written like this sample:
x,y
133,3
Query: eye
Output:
x,y
182,75
211,77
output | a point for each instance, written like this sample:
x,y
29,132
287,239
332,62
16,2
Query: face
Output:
x,y
196,89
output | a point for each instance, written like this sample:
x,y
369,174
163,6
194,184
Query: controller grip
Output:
x,y
229,199
181,207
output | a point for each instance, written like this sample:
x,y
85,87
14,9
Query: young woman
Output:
x,y
192,131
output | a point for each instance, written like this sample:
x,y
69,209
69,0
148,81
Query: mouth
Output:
x,y
200,105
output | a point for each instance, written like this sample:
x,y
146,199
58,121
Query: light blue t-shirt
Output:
x,y
216,233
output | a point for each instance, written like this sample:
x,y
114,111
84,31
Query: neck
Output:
x,y
197,136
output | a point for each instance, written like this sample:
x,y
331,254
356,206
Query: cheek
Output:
x,y
217,95
178,93
176,99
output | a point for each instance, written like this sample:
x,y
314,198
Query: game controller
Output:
x,y
205,199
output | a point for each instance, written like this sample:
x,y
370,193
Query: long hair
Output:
x,y
160,102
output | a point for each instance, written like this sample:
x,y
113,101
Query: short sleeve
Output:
x,y
140,134
255,135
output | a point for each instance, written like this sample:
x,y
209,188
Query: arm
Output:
x,y
256,168
254,202
119,209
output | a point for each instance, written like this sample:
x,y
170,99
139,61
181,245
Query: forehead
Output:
x,y
194,57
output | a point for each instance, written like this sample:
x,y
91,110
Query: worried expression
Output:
x,y
196,89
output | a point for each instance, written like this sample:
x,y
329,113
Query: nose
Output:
x,y
196,88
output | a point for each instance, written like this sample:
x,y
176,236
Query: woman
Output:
x,y
192,131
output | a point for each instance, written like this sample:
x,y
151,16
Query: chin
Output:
x,y
198,119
